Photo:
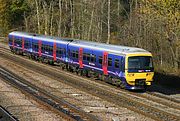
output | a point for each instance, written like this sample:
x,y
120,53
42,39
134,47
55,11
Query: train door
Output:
x,y
105,63
39,49
54,51
81,57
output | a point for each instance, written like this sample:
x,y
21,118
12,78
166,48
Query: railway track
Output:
x,y
5,115
124,91
155,97
148,95
65,109
120,99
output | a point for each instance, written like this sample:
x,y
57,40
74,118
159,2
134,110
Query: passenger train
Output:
x,y
127,67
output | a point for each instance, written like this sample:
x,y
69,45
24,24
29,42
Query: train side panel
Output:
x,y
93,61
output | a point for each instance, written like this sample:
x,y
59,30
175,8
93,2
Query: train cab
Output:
x,y
139,70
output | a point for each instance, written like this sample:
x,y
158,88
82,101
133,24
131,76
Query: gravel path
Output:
x,y
22,107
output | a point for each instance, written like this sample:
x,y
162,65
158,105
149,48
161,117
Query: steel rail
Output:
x,y
71,112
5,115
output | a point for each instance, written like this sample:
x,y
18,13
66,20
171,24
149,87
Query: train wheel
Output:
x,y
43,60
100,77
63,67
77,71
122,85
51,62
28,55
87,74
96,75
81,72
36,58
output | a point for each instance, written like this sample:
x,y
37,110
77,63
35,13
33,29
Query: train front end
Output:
x,y
139,71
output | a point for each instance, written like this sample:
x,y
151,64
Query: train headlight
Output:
x,y
130,75
148,74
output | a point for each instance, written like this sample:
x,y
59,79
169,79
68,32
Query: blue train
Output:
x,y
127,67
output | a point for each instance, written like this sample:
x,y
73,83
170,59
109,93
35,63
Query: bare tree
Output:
x,y
38,15
52,17
109,17
46,18
72,17
91,22
60,19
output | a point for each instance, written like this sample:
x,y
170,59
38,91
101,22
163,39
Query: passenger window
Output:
x,y
58,51
63,51
17,41
26,43
45,47
10,39
88,57
69,52
73,54
35,46
100,59
109,61
116,63
122,65
51,48
42,47
84,56
77,54
93,58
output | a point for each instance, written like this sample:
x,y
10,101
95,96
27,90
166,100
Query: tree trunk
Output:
x,y
109,17
176,62
91,22
26,22
38,17
52,17
72,18
60,19
45,18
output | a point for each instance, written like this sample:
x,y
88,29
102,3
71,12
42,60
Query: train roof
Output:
x,y
17,33
116,49
41,37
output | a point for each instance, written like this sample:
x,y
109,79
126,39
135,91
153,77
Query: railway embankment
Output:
x,y
170,80
166,83
22,107
81,83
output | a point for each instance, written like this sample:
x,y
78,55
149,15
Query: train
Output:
x,y
127,67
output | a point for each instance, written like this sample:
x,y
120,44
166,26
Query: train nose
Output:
x,y
139,78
